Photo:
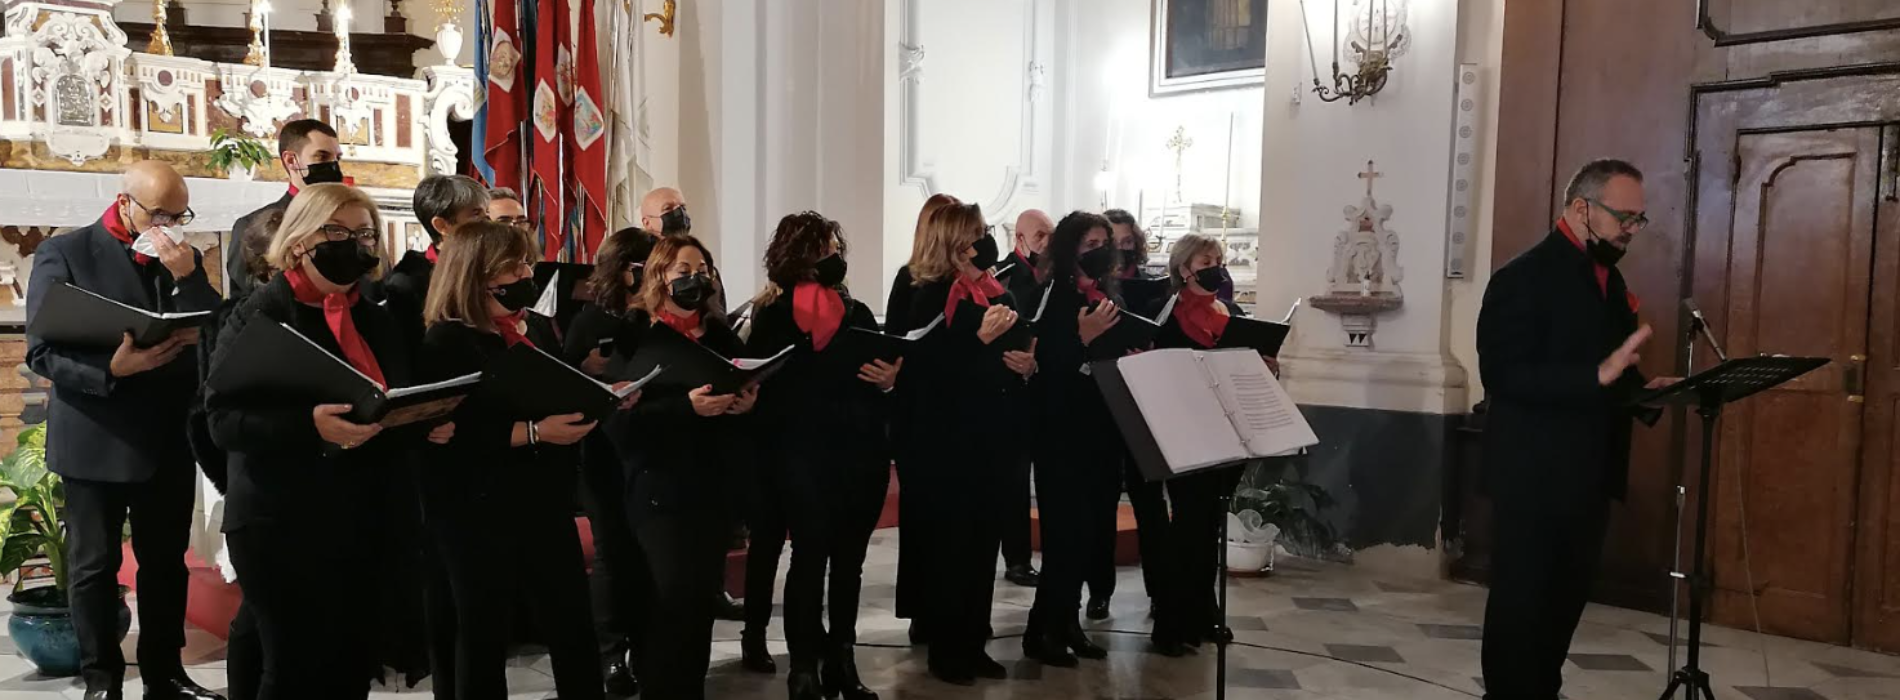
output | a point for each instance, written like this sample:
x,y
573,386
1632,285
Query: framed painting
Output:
x,y
1207,45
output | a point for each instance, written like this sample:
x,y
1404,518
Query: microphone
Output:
x,y
1695,312
1700,324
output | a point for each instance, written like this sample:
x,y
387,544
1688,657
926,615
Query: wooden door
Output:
x,y
1877,568
1800,283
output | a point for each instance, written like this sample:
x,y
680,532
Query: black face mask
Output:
x,y
986,253
342,262
320,173
1211,279
690,292
1602,251
520,294
831,270
1035,259
1131,258
676,222
1097,263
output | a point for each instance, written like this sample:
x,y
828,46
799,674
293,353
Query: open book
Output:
x,y
534,385
273,362
692,365
1185,410
73,316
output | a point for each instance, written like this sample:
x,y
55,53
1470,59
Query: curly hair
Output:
x,y
1065,249
619,253
1121,216
793,254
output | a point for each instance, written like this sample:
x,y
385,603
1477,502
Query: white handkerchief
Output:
x,y
144,245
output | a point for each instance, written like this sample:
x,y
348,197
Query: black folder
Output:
x,y
1264,337
533,385
692,365
272,361
1144,293
73,316
1133,332
1018,337
859,346
737,319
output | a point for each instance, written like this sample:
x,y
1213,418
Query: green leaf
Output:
x,y
26,466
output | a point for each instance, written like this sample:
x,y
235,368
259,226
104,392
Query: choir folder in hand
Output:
x,y
1185,410
272,361
1264,337
859,346
692,365
1019,336
1133,332
73,316
534,385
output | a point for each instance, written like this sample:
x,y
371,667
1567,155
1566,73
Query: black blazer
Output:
x,y
897,308
236,272
406,288
818,395
1555,440
956,385
1022,283
1067,399
479,467
675,460
278,470
101,428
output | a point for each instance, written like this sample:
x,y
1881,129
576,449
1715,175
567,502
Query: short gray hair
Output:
x,y
443,195
1589,181
495,193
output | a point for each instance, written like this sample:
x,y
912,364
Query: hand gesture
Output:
x,y
336,430
595,364
1093,324
1273,365
179,258
442,434
565,429
743,404
705,404
187,336
1623,358
129,360
1022,362
996,321
1662,382
880,373
631,399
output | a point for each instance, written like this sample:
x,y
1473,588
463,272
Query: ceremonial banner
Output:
x,y
553,98
505,102
586,142
478,136
627,174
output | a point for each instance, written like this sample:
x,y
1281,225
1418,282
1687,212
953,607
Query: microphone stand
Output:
x,y
1691,678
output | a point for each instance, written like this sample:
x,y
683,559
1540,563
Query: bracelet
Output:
x,y
534,435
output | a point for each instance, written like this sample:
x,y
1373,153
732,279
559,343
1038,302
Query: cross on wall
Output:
x,y
1369,175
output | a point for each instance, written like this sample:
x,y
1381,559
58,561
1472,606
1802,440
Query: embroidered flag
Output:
x,y
505,103
552,82
586,145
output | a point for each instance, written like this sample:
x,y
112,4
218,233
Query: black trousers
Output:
x,y
1077,492
243,655
1541,568
913,540
833,500
685,553
1151,537
618,580
313,642
963,509
766,528
1193,546
160,510
1016,521
496,554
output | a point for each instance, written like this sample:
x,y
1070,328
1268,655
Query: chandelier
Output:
x,y
1378,36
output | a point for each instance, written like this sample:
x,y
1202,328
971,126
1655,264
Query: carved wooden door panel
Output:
x,y
1877,566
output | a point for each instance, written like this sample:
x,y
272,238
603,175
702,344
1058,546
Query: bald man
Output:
x,y
116,429
663,211
1022,272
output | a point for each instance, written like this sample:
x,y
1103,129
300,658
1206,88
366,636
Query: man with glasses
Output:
x,y
116,429
311,154
504,205
1557,350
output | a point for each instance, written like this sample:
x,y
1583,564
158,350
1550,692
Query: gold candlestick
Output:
x,y
255,57
161,44
343,62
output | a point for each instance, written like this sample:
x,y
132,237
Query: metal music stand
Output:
x,y
1709,391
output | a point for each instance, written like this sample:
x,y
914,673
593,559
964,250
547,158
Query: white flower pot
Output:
x,y
239,173
1249,557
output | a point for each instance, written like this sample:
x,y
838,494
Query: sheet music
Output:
x,y
1289,312
752,364
1265,418
469,378
1194,429
919,334
545,306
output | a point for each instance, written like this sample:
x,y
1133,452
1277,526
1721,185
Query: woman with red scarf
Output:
x,y
966,385
681,448
1079,455
827,429
501,487
285,533
1196,273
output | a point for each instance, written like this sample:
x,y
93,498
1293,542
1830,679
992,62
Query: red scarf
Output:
x,y
1603,271
336,315
509,327
1198,318
294,191
1089,290
116,226
684,324
430,254
818,310
980,290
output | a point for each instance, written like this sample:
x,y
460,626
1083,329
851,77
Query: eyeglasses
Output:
x,y
1631,221
334,232
515,221
164,218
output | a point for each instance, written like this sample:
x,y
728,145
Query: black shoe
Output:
x,y
754,656
840,676
985,667
104,694
803,685
1098,608
725,608
951,672
1082,645
180,688
1172,648
919,633
1022,575
1050,649
620,680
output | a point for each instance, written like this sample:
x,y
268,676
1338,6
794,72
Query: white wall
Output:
x,y
1481,42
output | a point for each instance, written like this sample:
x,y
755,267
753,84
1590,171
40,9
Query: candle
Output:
x,y
264,8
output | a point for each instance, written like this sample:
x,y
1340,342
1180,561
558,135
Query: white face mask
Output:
x,y
144,245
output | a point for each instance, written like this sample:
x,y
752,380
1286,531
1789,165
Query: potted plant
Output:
x,y
237,155
1270,501
30,531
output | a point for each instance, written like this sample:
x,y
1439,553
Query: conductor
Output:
x,y
1557,349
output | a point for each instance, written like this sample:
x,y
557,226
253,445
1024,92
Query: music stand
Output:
x,y
1709,391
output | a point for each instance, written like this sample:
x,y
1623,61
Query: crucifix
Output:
x,y
1369,175
1179,144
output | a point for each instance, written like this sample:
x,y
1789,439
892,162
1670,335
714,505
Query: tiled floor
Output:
x,y
1314,631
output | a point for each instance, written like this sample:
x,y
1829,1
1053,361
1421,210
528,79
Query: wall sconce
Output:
x,y
1104,181
1378,37
664,17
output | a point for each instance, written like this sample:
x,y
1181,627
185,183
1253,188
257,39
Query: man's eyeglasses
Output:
x,y
1631,221
161,217
515,221
334,232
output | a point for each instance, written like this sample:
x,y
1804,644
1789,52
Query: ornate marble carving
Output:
x,y
1363,280
451,95
72,59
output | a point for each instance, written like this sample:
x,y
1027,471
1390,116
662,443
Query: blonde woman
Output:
x,y
287,530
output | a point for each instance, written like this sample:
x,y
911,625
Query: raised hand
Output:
x,y
1092,324
996,321
1624,357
